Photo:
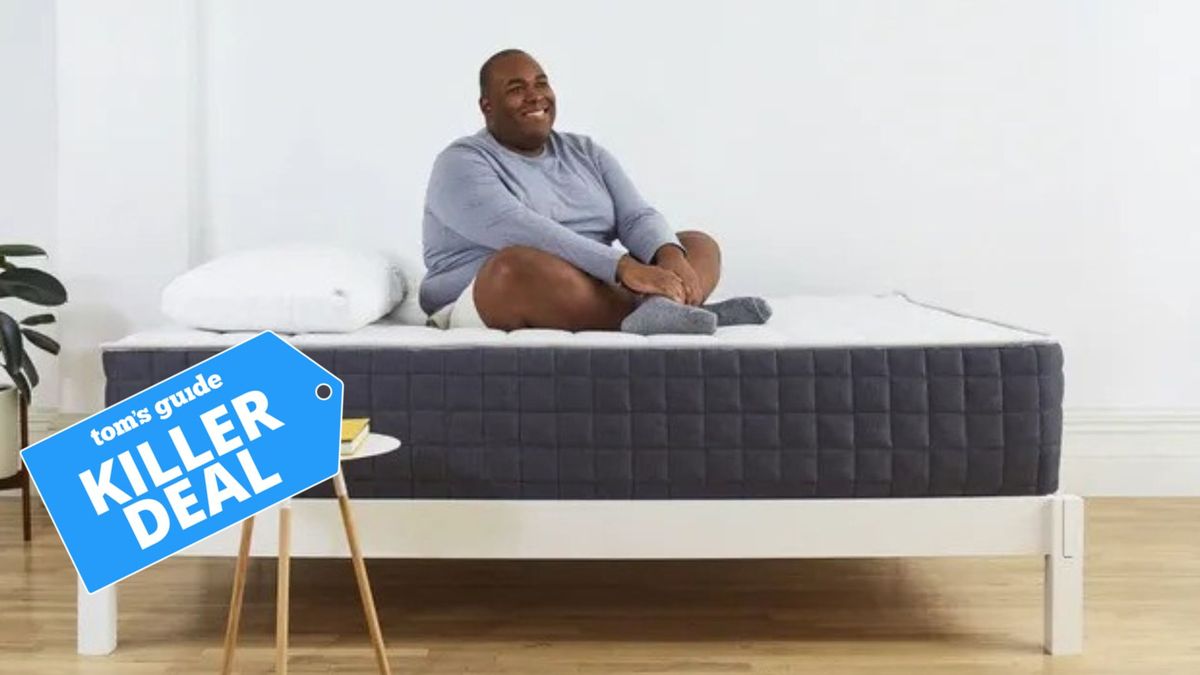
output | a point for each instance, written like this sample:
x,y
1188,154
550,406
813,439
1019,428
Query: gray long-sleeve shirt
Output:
x,y
573,200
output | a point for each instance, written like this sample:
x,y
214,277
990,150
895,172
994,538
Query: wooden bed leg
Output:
x,y
1064,577
96,621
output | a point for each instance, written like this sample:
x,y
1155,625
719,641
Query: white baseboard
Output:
x,y
43,422
1131,453
1123,452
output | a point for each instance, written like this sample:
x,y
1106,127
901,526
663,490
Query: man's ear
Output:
x,y
485,106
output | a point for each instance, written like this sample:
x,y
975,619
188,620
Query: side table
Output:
x,y
375,445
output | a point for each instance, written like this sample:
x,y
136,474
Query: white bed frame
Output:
x,y
1051,526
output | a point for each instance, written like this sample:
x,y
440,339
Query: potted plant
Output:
x,y
40,288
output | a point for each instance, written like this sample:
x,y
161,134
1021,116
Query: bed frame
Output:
x,y
1050,526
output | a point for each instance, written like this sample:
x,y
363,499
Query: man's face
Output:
x,y
518,103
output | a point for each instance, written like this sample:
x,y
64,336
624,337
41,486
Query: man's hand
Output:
x,y
673,259
650,279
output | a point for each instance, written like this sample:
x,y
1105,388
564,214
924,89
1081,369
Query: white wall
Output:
x,y
126,81
1031,161
26,120
1027,160
27,133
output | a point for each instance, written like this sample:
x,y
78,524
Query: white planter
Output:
x,y
10,432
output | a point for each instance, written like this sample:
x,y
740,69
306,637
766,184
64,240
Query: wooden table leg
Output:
x,y
281,591
235,603
360,573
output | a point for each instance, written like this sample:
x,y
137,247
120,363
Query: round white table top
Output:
x,y
375,445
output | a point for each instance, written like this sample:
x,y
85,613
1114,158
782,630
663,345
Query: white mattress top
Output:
x,y
798,321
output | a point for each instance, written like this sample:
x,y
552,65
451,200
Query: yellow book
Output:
x,y
354,432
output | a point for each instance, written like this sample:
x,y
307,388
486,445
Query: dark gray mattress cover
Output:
x,y
500,422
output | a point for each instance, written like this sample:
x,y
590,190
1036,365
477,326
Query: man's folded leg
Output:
x,y
521,287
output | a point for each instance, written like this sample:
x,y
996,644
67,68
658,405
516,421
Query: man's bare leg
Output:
x,y
705,257
522,287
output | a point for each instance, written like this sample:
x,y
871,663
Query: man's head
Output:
x,y
516,100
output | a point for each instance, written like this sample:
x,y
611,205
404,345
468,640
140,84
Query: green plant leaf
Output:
x,y
30,372
11,344
18,250
42,340
37,320
32,285
22,384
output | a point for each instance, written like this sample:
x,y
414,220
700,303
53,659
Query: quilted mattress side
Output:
x,y
613,423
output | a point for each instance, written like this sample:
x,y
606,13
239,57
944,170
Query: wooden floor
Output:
x,y
818,616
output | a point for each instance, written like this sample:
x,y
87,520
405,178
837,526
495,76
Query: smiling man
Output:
x,y
520,220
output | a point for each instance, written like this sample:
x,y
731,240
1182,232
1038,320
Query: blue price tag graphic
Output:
x,y
188,457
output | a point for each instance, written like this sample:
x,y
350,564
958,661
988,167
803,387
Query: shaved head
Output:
x,y
485,71
517,101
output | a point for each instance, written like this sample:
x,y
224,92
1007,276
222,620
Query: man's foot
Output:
x,y
658,315
740,311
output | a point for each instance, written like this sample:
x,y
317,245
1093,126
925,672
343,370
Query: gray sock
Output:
x,y
740,311
658,315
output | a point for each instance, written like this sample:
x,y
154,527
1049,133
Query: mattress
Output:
x,y
851,396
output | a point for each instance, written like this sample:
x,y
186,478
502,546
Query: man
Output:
x,y
519,222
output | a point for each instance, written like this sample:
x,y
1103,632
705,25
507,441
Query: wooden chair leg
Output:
x,y
360,574
282,588
235,602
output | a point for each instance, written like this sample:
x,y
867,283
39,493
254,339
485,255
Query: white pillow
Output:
x,y
409,312
293,289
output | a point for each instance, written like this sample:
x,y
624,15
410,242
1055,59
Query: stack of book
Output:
x,y
354,433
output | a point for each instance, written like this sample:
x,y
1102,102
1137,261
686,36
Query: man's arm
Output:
x,y
466,195
643,230
640,227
